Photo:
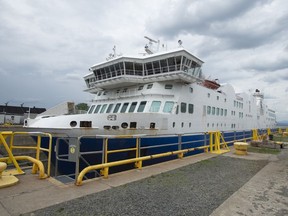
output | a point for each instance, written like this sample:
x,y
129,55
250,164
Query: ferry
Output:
x,y
159,95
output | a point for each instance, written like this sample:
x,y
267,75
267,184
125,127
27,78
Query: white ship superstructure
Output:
x,y
160,94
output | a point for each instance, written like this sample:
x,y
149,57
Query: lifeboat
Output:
x,y
211,84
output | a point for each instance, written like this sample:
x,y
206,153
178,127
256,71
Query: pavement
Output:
x,y
265,194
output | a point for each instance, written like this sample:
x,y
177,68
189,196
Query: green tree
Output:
x,y
82,106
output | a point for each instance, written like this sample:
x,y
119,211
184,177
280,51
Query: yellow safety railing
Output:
x,y
215,138
215,145
106,166
37,164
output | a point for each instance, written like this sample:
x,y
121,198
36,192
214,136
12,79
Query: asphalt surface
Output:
x,y
205,184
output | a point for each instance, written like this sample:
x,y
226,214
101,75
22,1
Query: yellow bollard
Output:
x,y
6,181
241,148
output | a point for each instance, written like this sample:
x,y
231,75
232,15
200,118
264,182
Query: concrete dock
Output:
x,y
264,194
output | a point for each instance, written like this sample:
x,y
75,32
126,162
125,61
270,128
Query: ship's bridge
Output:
x,y
178,65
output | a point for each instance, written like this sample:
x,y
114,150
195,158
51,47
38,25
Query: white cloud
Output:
x,y
47,46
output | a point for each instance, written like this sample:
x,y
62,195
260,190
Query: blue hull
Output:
x,y
148,146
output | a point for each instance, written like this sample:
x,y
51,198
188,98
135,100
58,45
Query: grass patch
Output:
x,y
263,150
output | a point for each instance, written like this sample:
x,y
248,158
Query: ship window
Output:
x,y
225,100
124,107
177,109
141,106
191,90
183,107
85,124
97,109
109,108
213,110
171,64
138,69
178,62
116,107
217,97
155,106
173,125
99,93
190,108
168,86
208,110
208,95
132,107
129,69
190,124
222,112
140,88
149,86
91,109
149,69
168,106
182,124
164,66
156,67
217,111
133,125
103,108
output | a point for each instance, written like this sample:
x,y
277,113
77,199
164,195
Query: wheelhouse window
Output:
x,y
168,106
155,106
141,106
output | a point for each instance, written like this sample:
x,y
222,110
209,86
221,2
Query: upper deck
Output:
x,y
122,71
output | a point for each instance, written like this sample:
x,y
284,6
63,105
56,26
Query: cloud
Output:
x,y
46,47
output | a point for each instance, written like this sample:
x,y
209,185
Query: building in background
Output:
x,y
16,114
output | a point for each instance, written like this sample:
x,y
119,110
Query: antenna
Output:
x,y
149,48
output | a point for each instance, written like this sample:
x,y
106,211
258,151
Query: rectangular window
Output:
x,y
132,107
217,111
168,106
141,106
213,110
168,86
116,107
103,108
222,112
109,108
190,108
208,110
149,86
183,107
97,109
124,107
91,109
155,106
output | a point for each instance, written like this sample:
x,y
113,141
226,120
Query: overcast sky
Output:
x,y
46,47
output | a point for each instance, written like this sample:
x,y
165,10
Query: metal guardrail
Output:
x,y
37,163
104,167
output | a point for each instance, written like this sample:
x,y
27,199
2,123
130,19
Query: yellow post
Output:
x,y
268,131
279,130
138,164
255,134
3,136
